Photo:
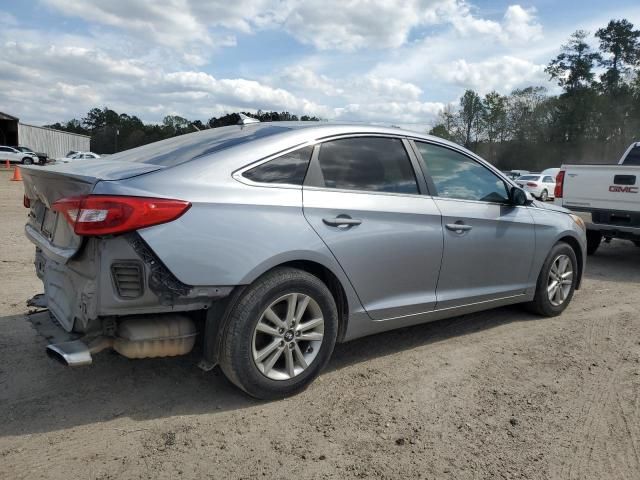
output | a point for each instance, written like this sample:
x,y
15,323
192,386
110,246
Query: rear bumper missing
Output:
x,y
88,286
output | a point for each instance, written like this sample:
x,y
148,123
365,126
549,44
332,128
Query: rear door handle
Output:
x,y
341,221
458,227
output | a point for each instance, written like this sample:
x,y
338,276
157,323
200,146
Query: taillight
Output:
x,y
107,215
26,203
557,192
532,184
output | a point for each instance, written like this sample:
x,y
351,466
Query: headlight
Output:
x,y
579,221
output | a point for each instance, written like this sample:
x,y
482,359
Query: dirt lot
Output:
x,y
501,394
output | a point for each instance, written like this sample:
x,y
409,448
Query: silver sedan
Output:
x,y
268,243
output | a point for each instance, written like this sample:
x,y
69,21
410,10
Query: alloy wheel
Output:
x,y
560,280
287,338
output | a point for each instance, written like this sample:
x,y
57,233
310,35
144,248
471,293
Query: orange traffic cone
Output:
x,y
7,165
17,176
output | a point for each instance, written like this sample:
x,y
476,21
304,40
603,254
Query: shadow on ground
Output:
x,y
58,397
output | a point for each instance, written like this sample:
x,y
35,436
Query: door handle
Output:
x,y
458,227
341,221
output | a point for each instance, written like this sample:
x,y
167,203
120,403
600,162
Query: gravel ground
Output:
x,y
501,394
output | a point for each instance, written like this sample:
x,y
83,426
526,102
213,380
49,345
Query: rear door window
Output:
x,y
374,164
457,176
287,169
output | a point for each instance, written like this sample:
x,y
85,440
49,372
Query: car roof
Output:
x,y
254,141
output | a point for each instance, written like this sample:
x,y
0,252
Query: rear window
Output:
x,y
529,177
290,168
633,158
177,150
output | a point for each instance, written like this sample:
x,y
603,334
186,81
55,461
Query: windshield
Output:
x,y
177,150
529,177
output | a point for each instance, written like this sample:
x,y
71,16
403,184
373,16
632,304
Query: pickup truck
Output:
x,y
607,197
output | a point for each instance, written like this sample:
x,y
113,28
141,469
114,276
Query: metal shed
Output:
x,y
55,143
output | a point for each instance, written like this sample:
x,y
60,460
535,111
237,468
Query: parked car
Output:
x,y
551,171
271,242
540,186
42,157
514,174
606,196
78,156
16,156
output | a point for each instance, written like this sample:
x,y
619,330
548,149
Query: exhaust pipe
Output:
x,y
77,353
147,337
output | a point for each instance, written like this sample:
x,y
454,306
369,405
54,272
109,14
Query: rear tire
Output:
x,y
252,329
593,241
553,293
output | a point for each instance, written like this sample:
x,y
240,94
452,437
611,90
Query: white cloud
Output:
x,y
386,61
305,78
357,24
521,24
501,73
396,112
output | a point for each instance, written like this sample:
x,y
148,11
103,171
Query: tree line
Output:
x,y
593,120
113,132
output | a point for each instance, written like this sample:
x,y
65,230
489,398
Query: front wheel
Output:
x,y
544,196
27,161
280,334
556,282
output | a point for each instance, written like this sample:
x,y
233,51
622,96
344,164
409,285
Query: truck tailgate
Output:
x,y
602,187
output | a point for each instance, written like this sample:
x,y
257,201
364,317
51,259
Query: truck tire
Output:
x,y
280,334
593,241
556,282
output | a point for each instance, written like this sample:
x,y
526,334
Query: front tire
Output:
x,y
280,334
556,282
27,161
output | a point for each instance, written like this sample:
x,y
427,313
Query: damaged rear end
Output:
x,y
102,283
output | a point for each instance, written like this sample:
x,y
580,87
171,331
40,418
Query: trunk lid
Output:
x,y
45,185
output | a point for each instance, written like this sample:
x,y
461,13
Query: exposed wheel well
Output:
x,y
334,285
573,243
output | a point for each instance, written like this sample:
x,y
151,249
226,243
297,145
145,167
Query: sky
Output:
x,y
380,61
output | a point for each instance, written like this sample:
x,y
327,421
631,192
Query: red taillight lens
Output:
x,y
107,215
532,184
557,192
26,202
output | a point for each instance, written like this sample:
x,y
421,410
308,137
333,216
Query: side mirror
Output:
x,y
519,197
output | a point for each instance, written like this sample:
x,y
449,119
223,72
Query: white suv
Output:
x,y
16,156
